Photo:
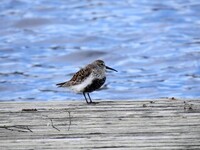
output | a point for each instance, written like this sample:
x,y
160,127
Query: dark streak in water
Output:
x,y
32,22
79,56
14,73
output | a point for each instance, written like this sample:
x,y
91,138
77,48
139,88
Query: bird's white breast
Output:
x,y
80,87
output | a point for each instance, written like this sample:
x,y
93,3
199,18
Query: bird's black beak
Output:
x,y
110,68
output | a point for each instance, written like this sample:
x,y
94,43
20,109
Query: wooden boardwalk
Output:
x,y
118,125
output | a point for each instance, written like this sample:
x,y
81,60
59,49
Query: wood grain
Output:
x,y
141,125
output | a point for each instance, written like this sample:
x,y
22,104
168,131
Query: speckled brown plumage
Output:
x,y
77,78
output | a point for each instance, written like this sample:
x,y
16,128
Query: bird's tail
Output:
x,y
63,84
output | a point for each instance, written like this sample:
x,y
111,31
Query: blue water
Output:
x,y
154,45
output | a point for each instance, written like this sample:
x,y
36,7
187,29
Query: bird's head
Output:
x,y
101,65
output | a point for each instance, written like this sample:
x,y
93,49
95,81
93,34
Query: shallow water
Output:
x,y
154,45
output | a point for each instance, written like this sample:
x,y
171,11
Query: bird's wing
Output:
x,y
81,75
77,78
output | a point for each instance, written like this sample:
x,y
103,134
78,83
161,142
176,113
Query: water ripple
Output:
x,y
153,44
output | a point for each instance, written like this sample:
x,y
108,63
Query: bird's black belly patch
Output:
x,y
96,84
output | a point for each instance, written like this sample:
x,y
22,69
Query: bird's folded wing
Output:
x,y
81,75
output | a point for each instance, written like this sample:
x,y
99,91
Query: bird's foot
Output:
x,y
93,103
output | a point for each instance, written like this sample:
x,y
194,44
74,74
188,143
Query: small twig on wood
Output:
x,y
23,127
46,116
18,128
29,129
70,120
53,125
10,128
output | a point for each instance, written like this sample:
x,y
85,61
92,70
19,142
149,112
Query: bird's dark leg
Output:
x,y
89,98
85,98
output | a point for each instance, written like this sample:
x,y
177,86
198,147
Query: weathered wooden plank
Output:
x,y
158,124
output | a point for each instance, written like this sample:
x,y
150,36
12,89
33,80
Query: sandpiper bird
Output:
x,y
88,79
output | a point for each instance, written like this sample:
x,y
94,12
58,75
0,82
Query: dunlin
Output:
x,y
88,79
